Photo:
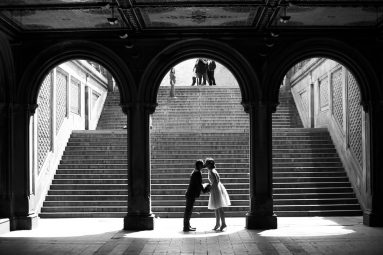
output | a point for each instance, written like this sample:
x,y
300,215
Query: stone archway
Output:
x,y
260,214
64,51
284,59
25,105
365,75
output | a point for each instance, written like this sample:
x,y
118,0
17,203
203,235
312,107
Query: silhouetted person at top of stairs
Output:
x,y
172,76
210,72
201,71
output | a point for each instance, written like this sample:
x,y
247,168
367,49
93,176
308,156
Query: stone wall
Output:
x,y
71,97
327,95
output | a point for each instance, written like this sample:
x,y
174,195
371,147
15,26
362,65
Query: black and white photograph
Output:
x,y
190,127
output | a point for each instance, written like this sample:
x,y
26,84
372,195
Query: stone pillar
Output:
x,y
5,172
23,204
312,106
87,107
261,215
7,74
373,213
139,215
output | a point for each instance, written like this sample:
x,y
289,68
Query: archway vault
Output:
x,y
75,49
237,64
282,60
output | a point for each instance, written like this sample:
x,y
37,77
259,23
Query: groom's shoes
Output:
x,y
189,229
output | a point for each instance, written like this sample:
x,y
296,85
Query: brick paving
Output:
x,y
305,235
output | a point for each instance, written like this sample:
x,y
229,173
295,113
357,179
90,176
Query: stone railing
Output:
x,y
71,97
327,95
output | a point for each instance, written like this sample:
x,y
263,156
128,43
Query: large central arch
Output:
x,y
183,50
260,214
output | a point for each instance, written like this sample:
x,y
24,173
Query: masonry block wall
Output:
x,y
327,95
71,97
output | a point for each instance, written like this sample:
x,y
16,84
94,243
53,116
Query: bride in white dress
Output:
x,y
218,195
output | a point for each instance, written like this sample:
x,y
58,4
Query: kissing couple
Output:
x,y
218,197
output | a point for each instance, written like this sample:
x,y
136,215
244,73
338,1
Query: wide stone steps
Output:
x,y
70,214
95,192
91,186
278,181
92,181
92,174
92,166
85,198
308,176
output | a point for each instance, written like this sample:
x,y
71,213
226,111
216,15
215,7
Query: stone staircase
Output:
x,y
112,116
308,175
91,180
200,122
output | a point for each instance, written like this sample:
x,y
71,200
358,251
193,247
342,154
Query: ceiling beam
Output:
x,y
55,6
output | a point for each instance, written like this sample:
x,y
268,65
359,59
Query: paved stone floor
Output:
x,y
307,235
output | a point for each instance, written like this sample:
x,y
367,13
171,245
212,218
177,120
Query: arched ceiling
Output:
x,y
191,16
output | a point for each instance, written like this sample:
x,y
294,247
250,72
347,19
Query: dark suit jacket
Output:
x,y
195,185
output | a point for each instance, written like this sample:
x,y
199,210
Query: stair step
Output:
x,y
83,215
79,198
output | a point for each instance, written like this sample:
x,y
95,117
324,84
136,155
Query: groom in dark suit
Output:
x,y
194,190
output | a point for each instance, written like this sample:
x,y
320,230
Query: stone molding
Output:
x,y
252,106
150,107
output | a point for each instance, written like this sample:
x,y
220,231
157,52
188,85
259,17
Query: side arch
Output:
x,y
56,54
241,69
281,61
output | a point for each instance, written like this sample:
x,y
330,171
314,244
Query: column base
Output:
x,y
4,226
139,222
24,222
254,221
372,219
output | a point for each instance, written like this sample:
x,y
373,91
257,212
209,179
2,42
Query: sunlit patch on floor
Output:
x,y
312,226
73,227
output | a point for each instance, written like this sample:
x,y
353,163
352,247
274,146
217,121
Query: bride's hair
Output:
x,y
210,161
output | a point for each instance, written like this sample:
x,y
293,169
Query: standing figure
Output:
x,y
204,71
218,195
201,68
210,72
172,75
194,74
194,190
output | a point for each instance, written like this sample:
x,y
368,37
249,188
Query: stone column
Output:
x,y
373,213
261,215
5,172
7,74
139,215
23,204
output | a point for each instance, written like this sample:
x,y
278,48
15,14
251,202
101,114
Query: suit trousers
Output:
x,y
188,211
